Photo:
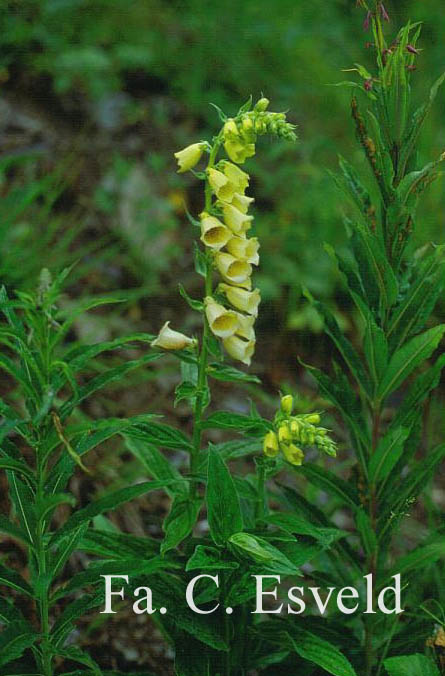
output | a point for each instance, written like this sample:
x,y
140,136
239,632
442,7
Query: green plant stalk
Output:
x,y
203,357
261,477
42,570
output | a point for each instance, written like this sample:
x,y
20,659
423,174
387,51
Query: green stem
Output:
x,y
203,357
260,506
42,570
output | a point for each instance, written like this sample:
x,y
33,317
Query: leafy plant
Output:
x,y
42,441
395,290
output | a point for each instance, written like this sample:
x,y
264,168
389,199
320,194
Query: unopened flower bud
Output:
x,y
287,404
168,339
313,418
383,12
284,434
270,445
262,104
189,156
293,454
230,129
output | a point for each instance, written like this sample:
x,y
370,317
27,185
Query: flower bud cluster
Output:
x,y
292,432
240,133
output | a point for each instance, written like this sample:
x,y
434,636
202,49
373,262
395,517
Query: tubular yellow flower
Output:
x,y
241,202
293,454
223,188
238,222
214,234
244,249
189,156
270,445
231,269
287,404
241,299
245,326
238,151
223,323
171,340
239,349
236,175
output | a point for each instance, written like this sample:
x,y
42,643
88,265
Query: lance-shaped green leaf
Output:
x,y
160,435
376,349
110,545
416,480
209,558
366,531
9,528
17,466
22,497
412,313
65,549
417,394
229,374
343,345
411,665
374,266
180,522
14,640
261,551
226,420
331,484
156,464
223,507
10,578
405,360
318,651
107,503
411,138
10,613
419,558
291,523
387,454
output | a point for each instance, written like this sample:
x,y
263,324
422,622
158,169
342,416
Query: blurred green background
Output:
x,y
98,94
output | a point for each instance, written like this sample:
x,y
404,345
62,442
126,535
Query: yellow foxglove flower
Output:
x,y
238,222
241,202
223,188
239,151
236,175
244,249
241,299
214,234
287,404
270,445
189,157
223,323
239,349
293,454
231,269
245,326
172,340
